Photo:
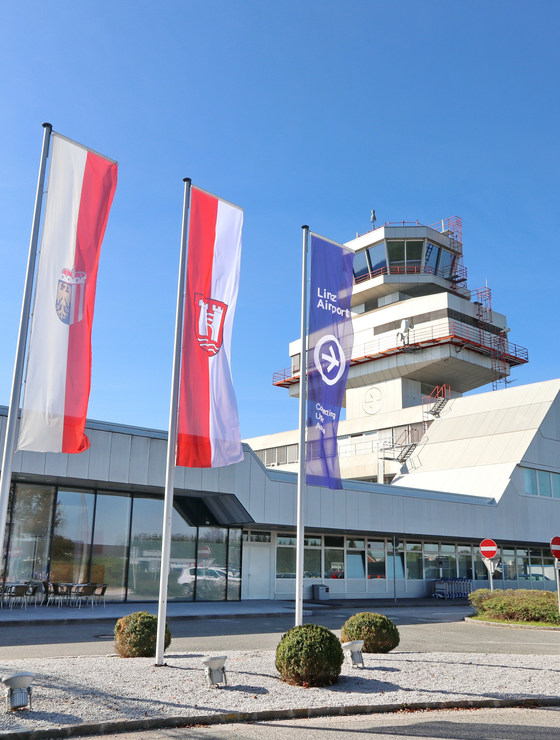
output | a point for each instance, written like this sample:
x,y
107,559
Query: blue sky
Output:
x,y
301,112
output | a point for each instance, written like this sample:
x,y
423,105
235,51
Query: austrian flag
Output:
x,y
208,433
80,191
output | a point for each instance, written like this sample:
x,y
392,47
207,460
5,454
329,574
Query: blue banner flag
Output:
x,y
330,342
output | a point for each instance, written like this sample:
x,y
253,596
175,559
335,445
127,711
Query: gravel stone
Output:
x,y
69,691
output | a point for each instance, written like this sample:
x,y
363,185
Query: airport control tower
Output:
x,y
421,337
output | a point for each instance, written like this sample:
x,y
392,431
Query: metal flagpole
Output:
x,y
172,438
302,420
10,440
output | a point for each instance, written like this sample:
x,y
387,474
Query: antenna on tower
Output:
x,y
373,219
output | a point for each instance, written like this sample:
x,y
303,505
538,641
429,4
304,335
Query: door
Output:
x,y
256,570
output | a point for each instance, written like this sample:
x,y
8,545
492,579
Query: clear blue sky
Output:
x,y
301,112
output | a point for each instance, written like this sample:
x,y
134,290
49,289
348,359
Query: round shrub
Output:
x,y
309,655
135,635
376,630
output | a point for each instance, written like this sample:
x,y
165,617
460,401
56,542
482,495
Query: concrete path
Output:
x,y
472,724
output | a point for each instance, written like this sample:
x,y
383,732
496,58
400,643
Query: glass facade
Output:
x,y
347,558
83,536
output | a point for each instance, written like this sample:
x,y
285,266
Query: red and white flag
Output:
x,y
80,191
208,433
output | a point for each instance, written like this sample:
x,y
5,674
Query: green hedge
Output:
x,y
516,606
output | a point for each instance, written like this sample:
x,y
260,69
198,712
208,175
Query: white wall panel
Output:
x,y
139,460
56,463
33,462
78,465
156,464
99,454
119,461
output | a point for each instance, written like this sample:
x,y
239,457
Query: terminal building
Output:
x,y
428,471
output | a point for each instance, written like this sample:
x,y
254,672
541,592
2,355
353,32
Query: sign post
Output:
x,y
555,548
488,550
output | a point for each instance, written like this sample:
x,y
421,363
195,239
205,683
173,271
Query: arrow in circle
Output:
x,y
331,359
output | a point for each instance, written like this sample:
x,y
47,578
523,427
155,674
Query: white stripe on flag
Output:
x,y
225,437
42,422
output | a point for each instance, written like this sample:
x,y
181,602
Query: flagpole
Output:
x,y
10,440
302,424
172,438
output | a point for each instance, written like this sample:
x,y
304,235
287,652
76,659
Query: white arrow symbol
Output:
x,y
331,359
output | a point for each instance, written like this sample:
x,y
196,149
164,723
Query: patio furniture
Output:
x,y
31,592
99,593
17,593
85,591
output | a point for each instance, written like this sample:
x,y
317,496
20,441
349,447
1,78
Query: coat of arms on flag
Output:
x,y
209,323
70,296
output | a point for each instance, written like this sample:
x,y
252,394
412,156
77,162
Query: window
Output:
x,y
292,453
361,266
414,253
110,543
541,483
543,479
414,561
287,539
73,529
522,565
465,561
431,259
334,560
446,264
376,560
270,457
260,537
530,481
395,561
377,258
395,250
355,558
31,529
509,571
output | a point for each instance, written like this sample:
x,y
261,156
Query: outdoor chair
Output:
x,y
49,592
85,591
99,593
60,593
31,592
18,593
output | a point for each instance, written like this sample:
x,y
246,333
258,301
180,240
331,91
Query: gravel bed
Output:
x,y
69,691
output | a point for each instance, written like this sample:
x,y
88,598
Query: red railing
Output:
x,y
443,332
459,273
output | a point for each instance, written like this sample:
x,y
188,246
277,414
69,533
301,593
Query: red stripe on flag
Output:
x,y
98,189
193,429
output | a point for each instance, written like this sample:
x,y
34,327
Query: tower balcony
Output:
x,y
409,357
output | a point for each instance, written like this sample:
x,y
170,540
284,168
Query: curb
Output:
x,y
267,715
512,625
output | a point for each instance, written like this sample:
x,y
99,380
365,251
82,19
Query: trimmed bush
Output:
x,y
135,635
376,630
309,655
519,605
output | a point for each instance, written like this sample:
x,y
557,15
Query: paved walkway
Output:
x,y
203,610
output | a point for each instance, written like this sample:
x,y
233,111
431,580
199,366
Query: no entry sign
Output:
x,y
555,547
489,549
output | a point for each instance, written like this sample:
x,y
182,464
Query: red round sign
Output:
x,y
555,547
204,552
488,548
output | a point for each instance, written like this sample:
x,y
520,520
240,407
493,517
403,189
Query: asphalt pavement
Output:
x,y
434,628
471,724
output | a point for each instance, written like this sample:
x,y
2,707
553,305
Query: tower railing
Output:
x,y
442,332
